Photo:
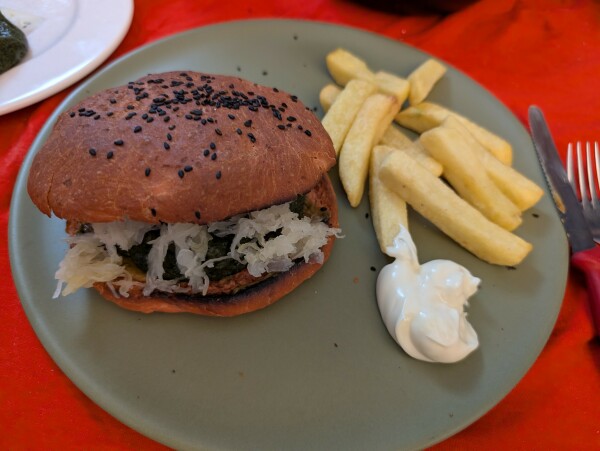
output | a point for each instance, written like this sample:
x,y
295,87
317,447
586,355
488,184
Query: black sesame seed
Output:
x,y
252,138
213,156
72,114
248,123
110,113
81,110
291,118
109,155
150,119
96,117
171,127
239,131
294,98
307,132
213,146
153,211
218,175
167,118
231,116
166,145
137,129
92,152
130,115
188,168
147,172
169,137
281,127
113,101
188,116
130,107
197,214
206,152
144,116
180,173
275,90
218,131
118,142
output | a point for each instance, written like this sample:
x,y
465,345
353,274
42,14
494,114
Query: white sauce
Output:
x,y
422,306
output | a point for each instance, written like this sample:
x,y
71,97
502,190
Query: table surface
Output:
x,y
525,52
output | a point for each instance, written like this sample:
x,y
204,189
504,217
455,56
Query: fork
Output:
x,y
588,179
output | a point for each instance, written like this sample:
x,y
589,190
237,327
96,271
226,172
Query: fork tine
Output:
x,y
595,202
590,173
581,173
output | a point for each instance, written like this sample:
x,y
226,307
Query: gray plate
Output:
x,y
318,369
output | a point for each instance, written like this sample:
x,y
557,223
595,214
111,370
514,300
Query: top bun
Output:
x,y
179,147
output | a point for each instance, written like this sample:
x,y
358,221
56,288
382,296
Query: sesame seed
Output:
x,y
72,114
275,90
150,119
96,117
180,173
130,107
130,115
153,211
169,137
197,214
218,175
218,131
252,138
137,129
113,101
206,152
231,116
239,131
188,168
291,118
294,98
248,123
213,146
109,155
213,156
147,172
81,110
307,132
144,116
110,113
92,152
118,142
171,127
167,118
281,127
166,145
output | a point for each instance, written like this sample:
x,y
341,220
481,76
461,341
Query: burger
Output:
x,y
189,192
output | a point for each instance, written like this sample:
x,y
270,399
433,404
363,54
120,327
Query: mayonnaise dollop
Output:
x,y
422,306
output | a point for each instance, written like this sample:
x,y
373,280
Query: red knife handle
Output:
x,y
588,262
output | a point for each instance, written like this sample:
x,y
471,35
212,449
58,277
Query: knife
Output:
x,y
584,254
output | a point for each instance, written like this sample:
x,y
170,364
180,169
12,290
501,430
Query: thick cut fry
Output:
x,y
426,115
373,118
454,216
327,96
338,119
388,210
523,192
392,85
344,66
393,137
465,172
423,79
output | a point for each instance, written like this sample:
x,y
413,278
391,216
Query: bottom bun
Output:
x,y
253,298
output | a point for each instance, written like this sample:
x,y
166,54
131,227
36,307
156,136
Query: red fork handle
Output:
x,y
588,262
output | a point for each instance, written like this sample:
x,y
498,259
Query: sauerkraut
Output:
x,y
265,241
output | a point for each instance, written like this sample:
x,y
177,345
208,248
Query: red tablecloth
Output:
x,y
545,52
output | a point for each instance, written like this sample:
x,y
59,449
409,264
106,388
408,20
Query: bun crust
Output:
x,y
253,298
179,147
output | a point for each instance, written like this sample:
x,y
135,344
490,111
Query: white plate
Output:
x,y
68,40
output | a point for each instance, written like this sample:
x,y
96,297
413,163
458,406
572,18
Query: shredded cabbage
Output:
x,y
268,240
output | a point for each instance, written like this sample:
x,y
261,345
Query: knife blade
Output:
x,y
565,200
585,254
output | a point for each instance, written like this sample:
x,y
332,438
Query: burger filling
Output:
x,y
190,258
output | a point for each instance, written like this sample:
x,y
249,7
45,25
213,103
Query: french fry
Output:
x,y
523,192
388,210
393,137
340,116
375,115
454,216
392,85
423,79
426,115
327,96
467,175
344,66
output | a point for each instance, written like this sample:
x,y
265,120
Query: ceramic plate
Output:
x,y
67,40
317,370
